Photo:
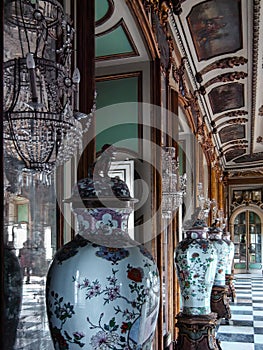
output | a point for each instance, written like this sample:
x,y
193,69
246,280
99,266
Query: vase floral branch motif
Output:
x,y
106,337
194,274
63,311
196,263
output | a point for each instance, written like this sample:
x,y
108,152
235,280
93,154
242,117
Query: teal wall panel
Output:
x,y
101,8
117,113
115,42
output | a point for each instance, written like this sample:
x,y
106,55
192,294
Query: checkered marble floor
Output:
x,y
32,331
245,331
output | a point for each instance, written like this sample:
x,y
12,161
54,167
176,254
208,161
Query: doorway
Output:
x,y
247,237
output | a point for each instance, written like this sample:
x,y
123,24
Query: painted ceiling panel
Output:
x,y
114,42
232,132
101,9
250,158
227,96
215,28
230,155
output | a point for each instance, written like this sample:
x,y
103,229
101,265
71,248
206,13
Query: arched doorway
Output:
x,y
246,227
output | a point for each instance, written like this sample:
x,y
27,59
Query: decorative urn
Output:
x,y
102,287
195,260
215,235
219,294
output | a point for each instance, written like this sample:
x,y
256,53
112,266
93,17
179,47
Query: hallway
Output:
x,y
245,331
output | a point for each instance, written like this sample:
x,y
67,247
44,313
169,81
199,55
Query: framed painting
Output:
x,y
227,96
215,27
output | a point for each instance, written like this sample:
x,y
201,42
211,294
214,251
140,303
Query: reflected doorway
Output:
x,y
247,237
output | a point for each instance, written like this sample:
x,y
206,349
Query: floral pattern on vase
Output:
x,y
104,295
120,303
215,236
196,259
105,227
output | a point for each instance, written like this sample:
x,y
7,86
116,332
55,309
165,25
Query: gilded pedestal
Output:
x,y
197,332
220,302
231,293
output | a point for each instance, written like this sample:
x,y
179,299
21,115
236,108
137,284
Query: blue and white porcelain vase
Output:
x,y
196,260
102,287
215,235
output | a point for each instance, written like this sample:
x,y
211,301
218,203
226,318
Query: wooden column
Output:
x,y
85,32
157,194
214,189
1,182
221,196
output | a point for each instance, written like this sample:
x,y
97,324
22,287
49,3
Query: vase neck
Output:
x,y
216,235
103,220
196,233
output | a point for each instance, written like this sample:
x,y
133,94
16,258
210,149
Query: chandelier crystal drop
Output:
x,y
173,184
42,124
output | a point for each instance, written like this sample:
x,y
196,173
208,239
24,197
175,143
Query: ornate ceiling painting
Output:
x,y
222,41
221,45
215,28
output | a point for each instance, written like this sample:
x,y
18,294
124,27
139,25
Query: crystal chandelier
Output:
x,y
173,185
204,202
42,124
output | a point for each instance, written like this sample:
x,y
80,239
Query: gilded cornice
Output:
x,y
256,32
141,15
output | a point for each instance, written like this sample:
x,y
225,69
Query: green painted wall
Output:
x,y
101,8
117,113
22,212
112,43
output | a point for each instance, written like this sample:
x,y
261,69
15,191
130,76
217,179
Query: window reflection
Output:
x,y
30,241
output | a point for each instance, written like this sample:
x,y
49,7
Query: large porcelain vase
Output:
x,y
196,260
102,287
215,236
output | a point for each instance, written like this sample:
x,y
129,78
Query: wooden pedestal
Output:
x,y
220,302
231,293
196,332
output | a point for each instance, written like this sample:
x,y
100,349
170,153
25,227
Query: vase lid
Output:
x,y
99,189
215,231
226,235
197,230
199,224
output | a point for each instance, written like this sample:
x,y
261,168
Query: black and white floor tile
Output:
x,y
245,331
32,331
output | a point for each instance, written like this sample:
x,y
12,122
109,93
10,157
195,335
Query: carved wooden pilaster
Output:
x,y
231,293
220,302
214,188
196,332
85,29
221,195
2,301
